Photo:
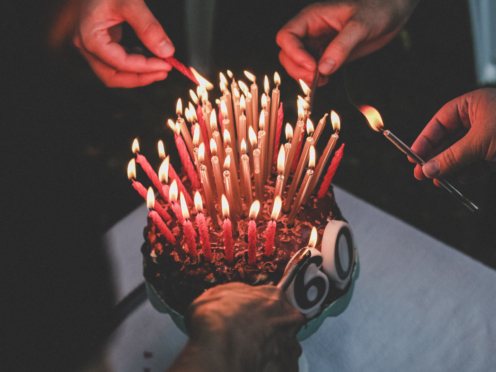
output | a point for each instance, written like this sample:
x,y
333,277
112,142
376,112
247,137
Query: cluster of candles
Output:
x,y
232,163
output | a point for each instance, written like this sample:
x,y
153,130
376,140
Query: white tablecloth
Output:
x,y
419,305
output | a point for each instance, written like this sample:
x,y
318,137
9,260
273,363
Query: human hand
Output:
x,y
237,327
460,138
346,29
99,31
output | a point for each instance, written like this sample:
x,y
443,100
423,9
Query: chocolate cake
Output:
x,y
179,278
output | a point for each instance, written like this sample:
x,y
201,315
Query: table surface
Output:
x,y
419,305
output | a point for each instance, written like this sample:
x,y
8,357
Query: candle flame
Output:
x,y
172,125
222,86
227,163
264,101
236,93
243,87
252,136
184,207
276,209
223,80
313,238
304,87
311,157
254,209
150,198
203,82
179,107
177,129
161,149
242,103
227,137
261,121
277,79
213,147
217,102
301,111
173,191
373,117
213,120
205,96
163,172
135,147
196,135
223,108
199,91
198,202
303,102
289,132
336,123
230,74
201,153
131,169
225,207
266,85
187,115
193,96
243,146
310,127
281,159
250,76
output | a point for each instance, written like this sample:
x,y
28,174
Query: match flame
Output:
x,y
225,207
243,87
213,147
223,80
163,172
230,74
289,132
184,207
373,117
266,85
222,86
261,121
203,82
313,238
135,146
311,157
227,138
310,127
336,123
250,76
236,93
150,198
179,107
243,146
281,159
227,163
196,135
277,79
198,202
161,149
301,111
303,103
131,169
252,136
264,101
213,120
193,96
223,108
304,87
277,208
173,191
201,153
254,209
172,125
242,103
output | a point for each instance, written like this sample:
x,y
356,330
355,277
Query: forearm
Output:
x,y
196,358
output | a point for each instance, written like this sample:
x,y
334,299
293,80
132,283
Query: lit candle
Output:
x,y
196,142
194,97
270,233
306,90
173,176
189,232
131,174
176,208
202,227
280,172
161,149
256,165
162,227
183,128
227,232
248,101
295,142
206,111
163,176
216,137
254,95
300,168
252,233
262,145
207,187
267,100
219,183
331,171
236,202
304,189
229,126
227,108
237,107
228,186
184,156
245,171
336,125
242,121
280,119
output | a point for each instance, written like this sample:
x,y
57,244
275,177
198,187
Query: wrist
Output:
x,y
211,357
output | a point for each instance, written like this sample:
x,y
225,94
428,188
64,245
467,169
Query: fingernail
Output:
x,y
431,169
166,49
326,66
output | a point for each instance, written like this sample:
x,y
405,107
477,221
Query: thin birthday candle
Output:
x,y
176,208
219,183
270,233
229,126
331,171
254,95
267,102
262,146
280,119
184,156
295,141
245,171
163,176
183,128
217,137
202,227
162,227
207,187
227,232
320,128
189,232
252,233
281,158
228,186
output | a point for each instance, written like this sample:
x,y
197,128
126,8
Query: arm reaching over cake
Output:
x,y
344,29
237,327
98,32
460,139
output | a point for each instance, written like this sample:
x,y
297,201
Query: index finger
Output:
x,y
290,37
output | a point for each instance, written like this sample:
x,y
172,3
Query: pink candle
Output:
x,y
186,160
162,227
280,119
173,176
176,208
141,160
252,233
221,119
202,226
189,232
142,191
331,171
270,233
227,232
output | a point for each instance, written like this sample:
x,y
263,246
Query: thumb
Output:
x,y
148,29
451,160
340,48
